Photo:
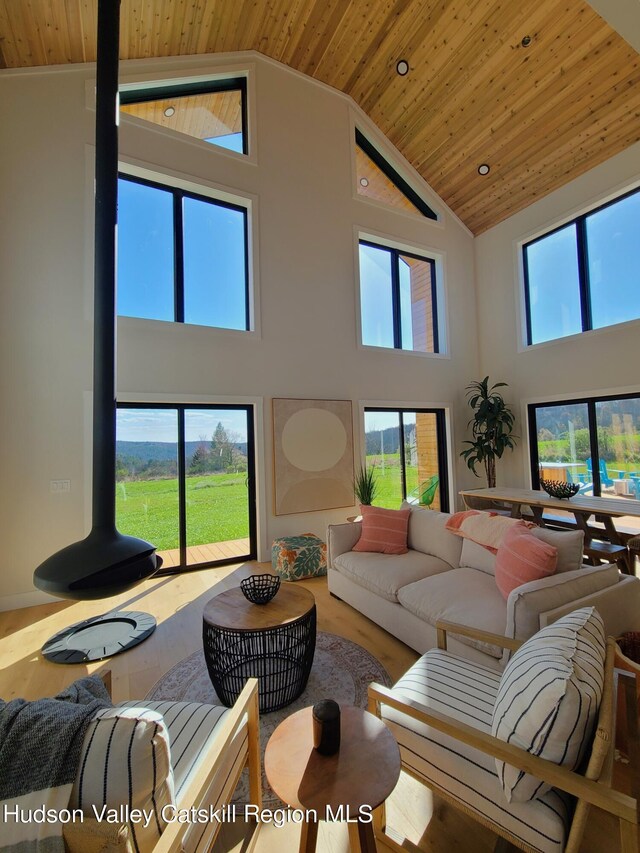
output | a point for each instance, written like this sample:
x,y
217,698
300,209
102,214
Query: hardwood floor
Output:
x,y
177,603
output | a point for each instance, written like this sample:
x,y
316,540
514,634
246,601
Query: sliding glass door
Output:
x,y
185,481
408,449
594,442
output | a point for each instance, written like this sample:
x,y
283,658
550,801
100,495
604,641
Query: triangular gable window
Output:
x,y
378,180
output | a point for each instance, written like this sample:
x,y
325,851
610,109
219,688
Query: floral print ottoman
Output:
x,y
297,557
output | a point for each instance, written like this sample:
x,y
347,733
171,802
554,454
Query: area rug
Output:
x,y
342,670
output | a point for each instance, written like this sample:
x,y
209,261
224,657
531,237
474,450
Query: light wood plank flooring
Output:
x,y
177,603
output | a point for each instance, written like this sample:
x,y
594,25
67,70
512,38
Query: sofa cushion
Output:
x,y
427,533
386,574
522,558
466,691
568,542
464,596
474,556
383,530
549,697
570,545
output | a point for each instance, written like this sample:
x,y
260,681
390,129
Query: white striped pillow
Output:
x,y
126,761
548,698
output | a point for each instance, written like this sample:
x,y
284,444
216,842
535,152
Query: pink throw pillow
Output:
x,y
521,558
383,530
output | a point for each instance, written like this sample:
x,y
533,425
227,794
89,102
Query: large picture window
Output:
x,y
398,301
181,257
213,111
594,442
408,449
584,274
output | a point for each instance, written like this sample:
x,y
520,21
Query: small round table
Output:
x,y
344,786
273,642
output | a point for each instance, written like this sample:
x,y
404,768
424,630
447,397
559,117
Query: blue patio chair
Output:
x,y
605,479
584,485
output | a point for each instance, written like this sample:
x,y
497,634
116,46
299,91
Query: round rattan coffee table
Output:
x,y
344,786
273,642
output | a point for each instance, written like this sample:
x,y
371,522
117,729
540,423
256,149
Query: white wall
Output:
x,y
307,218
602,361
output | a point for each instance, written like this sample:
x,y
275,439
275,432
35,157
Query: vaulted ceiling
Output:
x,y
538,115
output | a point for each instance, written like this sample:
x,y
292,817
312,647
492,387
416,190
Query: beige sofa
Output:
x,y
443,577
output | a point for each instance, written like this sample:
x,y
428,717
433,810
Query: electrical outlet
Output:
x,y
60,485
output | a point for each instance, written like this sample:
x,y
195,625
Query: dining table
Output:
x,y
583,508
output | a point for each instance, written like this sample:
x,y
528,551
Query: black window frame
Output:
x,y
181,408
441,432
387,169
178,247
591,404
396,255
142,95
582,251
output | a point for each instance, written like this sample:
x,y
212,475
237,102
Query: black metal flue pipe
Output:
x,y
106,562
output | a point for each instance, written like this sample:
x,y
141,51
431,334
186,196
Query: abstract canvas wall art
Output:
x,y
312,455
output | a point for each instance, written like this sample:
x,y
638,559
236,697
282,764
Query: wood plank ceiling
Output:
x,y
539,115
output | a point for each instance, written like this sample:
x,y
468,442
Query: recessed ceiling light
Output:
x,y
364,182
526,41
402,67
484,169
170,111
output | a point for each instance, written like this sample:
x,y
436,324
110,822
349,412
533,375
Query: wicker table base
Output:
x,y
274,643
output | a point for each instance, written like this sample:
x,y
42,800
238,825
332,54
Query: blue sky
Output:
x,y
162,424
612,237
214,258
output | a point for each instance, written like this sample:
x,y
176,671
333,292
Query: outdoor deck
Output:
x,y
206,553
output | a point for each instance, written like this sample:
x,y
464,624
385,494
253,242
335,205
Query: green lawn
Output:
x,y
216,509
389,479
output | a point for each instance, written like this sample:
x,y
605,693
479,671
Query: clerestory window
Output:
x,y
182,257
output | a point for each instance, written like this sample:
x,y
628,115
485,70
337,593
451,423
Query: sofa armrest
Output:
x,y
619,606
527,602
341,538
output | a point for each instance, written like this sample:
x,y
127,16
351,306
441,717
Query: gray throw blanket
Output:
x,y
40,745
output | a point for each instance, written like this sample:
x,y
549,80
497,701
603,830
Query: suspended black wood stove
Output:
x,y
106,563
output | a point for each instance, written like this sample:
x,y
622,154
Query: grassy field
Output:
x,y
216,509
217,504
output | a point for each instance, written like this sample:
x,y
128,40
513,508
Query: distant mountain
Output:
x,y
160,451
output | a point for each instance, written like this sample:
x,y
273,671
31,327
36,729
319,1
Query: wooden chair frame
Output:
x,y
592,788
240,727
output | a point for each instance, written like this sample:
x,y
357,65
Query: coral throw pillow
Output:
x,y
522,558
383,530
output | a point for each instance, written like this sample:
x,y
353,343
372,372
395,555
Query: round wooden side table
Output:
x,y
273,642
344,786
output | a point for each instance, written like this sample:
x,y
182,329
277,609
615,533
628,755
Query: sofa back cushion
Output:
x,y
548,698
383,530
570,545
522,558
427,533
568,542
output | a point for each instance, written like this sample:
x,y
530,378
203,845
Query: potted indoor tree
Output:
x,y
491,428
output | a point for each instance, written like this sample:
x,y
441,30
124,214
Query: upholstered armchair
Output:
x,y
167,759
480,740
